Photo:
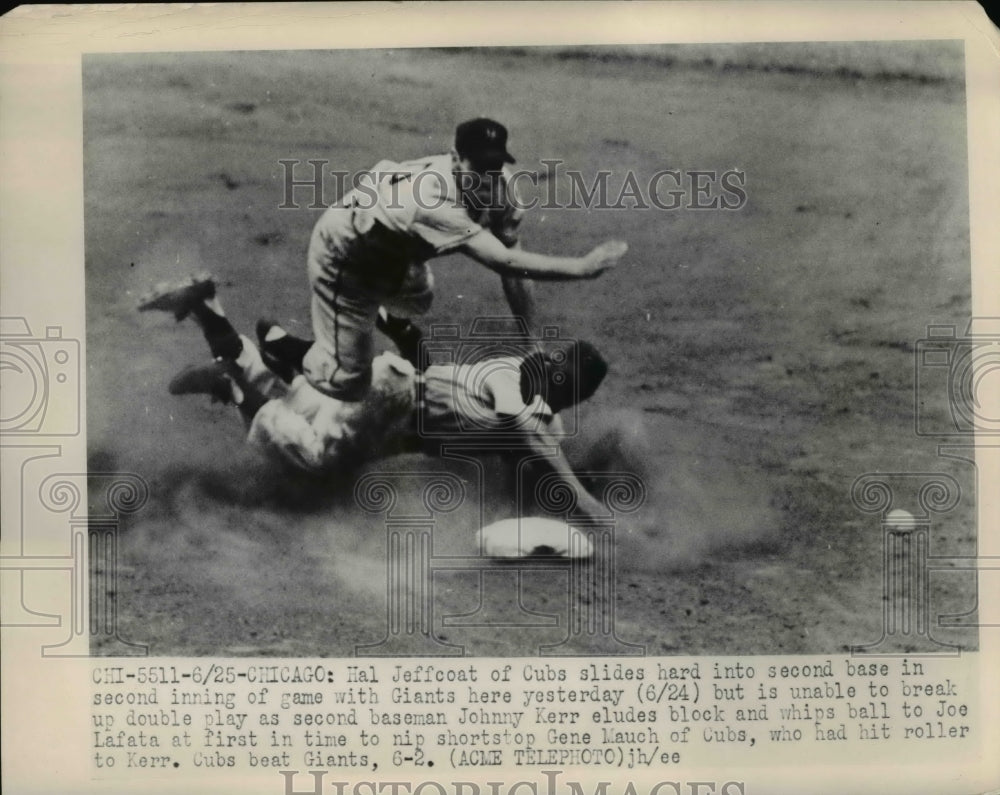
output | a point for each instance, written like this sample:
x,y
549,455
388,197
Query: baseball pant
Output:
x,y
298,425
346,296
314,432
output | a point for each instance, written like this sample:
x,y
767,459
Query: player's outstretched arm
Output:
x,y
542,443
488,250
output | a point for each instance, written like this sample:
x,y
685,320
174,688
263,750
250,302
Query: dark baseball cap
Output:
x,y
482,140
568,375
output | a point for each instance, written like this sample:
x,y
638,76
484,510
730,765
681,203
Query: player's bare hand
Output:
x,y
605,256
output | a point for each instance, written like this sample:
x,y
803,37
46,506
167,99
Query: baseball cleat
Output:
x,y
280,350
403,333
268,330
214,379
180,299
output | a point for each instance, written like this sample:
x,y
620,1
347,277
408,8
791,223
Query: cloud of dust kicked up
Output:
x,y
699,497
257,538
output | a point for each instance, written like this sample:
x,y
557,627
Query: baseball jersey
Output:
x,y
402,215
480,397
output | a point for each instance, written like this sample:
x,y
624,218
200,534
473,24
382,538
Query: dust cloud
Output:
x,y
698,499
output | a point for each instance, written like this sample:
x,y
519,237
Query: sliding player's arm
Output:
x,y
542,443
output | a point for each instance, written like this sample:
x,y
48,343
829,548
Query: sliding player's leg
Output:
x,y
197,298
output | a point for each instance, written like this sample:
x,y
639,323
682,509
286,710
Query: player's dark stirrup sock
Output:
x,y
403,333
252,400
222,338
282,353
289,350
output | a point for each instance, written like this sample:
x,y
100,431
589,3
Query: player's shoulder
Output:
x,y
385,166
431,164
430,179
431,172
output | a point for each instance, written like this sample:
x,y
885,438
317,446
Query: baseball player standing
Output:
x,y
371,251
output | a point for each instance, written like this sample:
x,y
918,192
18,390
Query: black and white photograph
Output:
x,y
488,397
651,310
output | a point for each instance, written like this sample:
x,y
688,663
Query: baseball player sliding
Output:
x,y
292,421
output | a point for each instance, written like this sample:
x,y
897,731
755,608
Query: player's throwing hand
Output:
x,y
605,256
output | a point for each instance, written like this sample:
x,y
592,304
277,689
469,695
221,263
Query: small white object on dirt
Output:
x,y
899,519
533,536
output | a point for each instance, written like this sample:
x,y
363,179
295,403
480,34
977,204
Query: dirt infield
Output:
x,y
762,358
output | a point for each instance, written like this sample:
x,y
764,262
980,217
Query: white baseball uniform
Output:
x,y
372,250
312,431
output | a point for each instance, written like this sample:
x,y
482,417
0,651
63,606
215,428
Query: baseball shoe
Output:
x,y
280,350
403,333
180,299
214,379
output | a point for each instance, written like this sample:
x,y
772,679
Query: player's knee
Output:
x,y
349,386
336,377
